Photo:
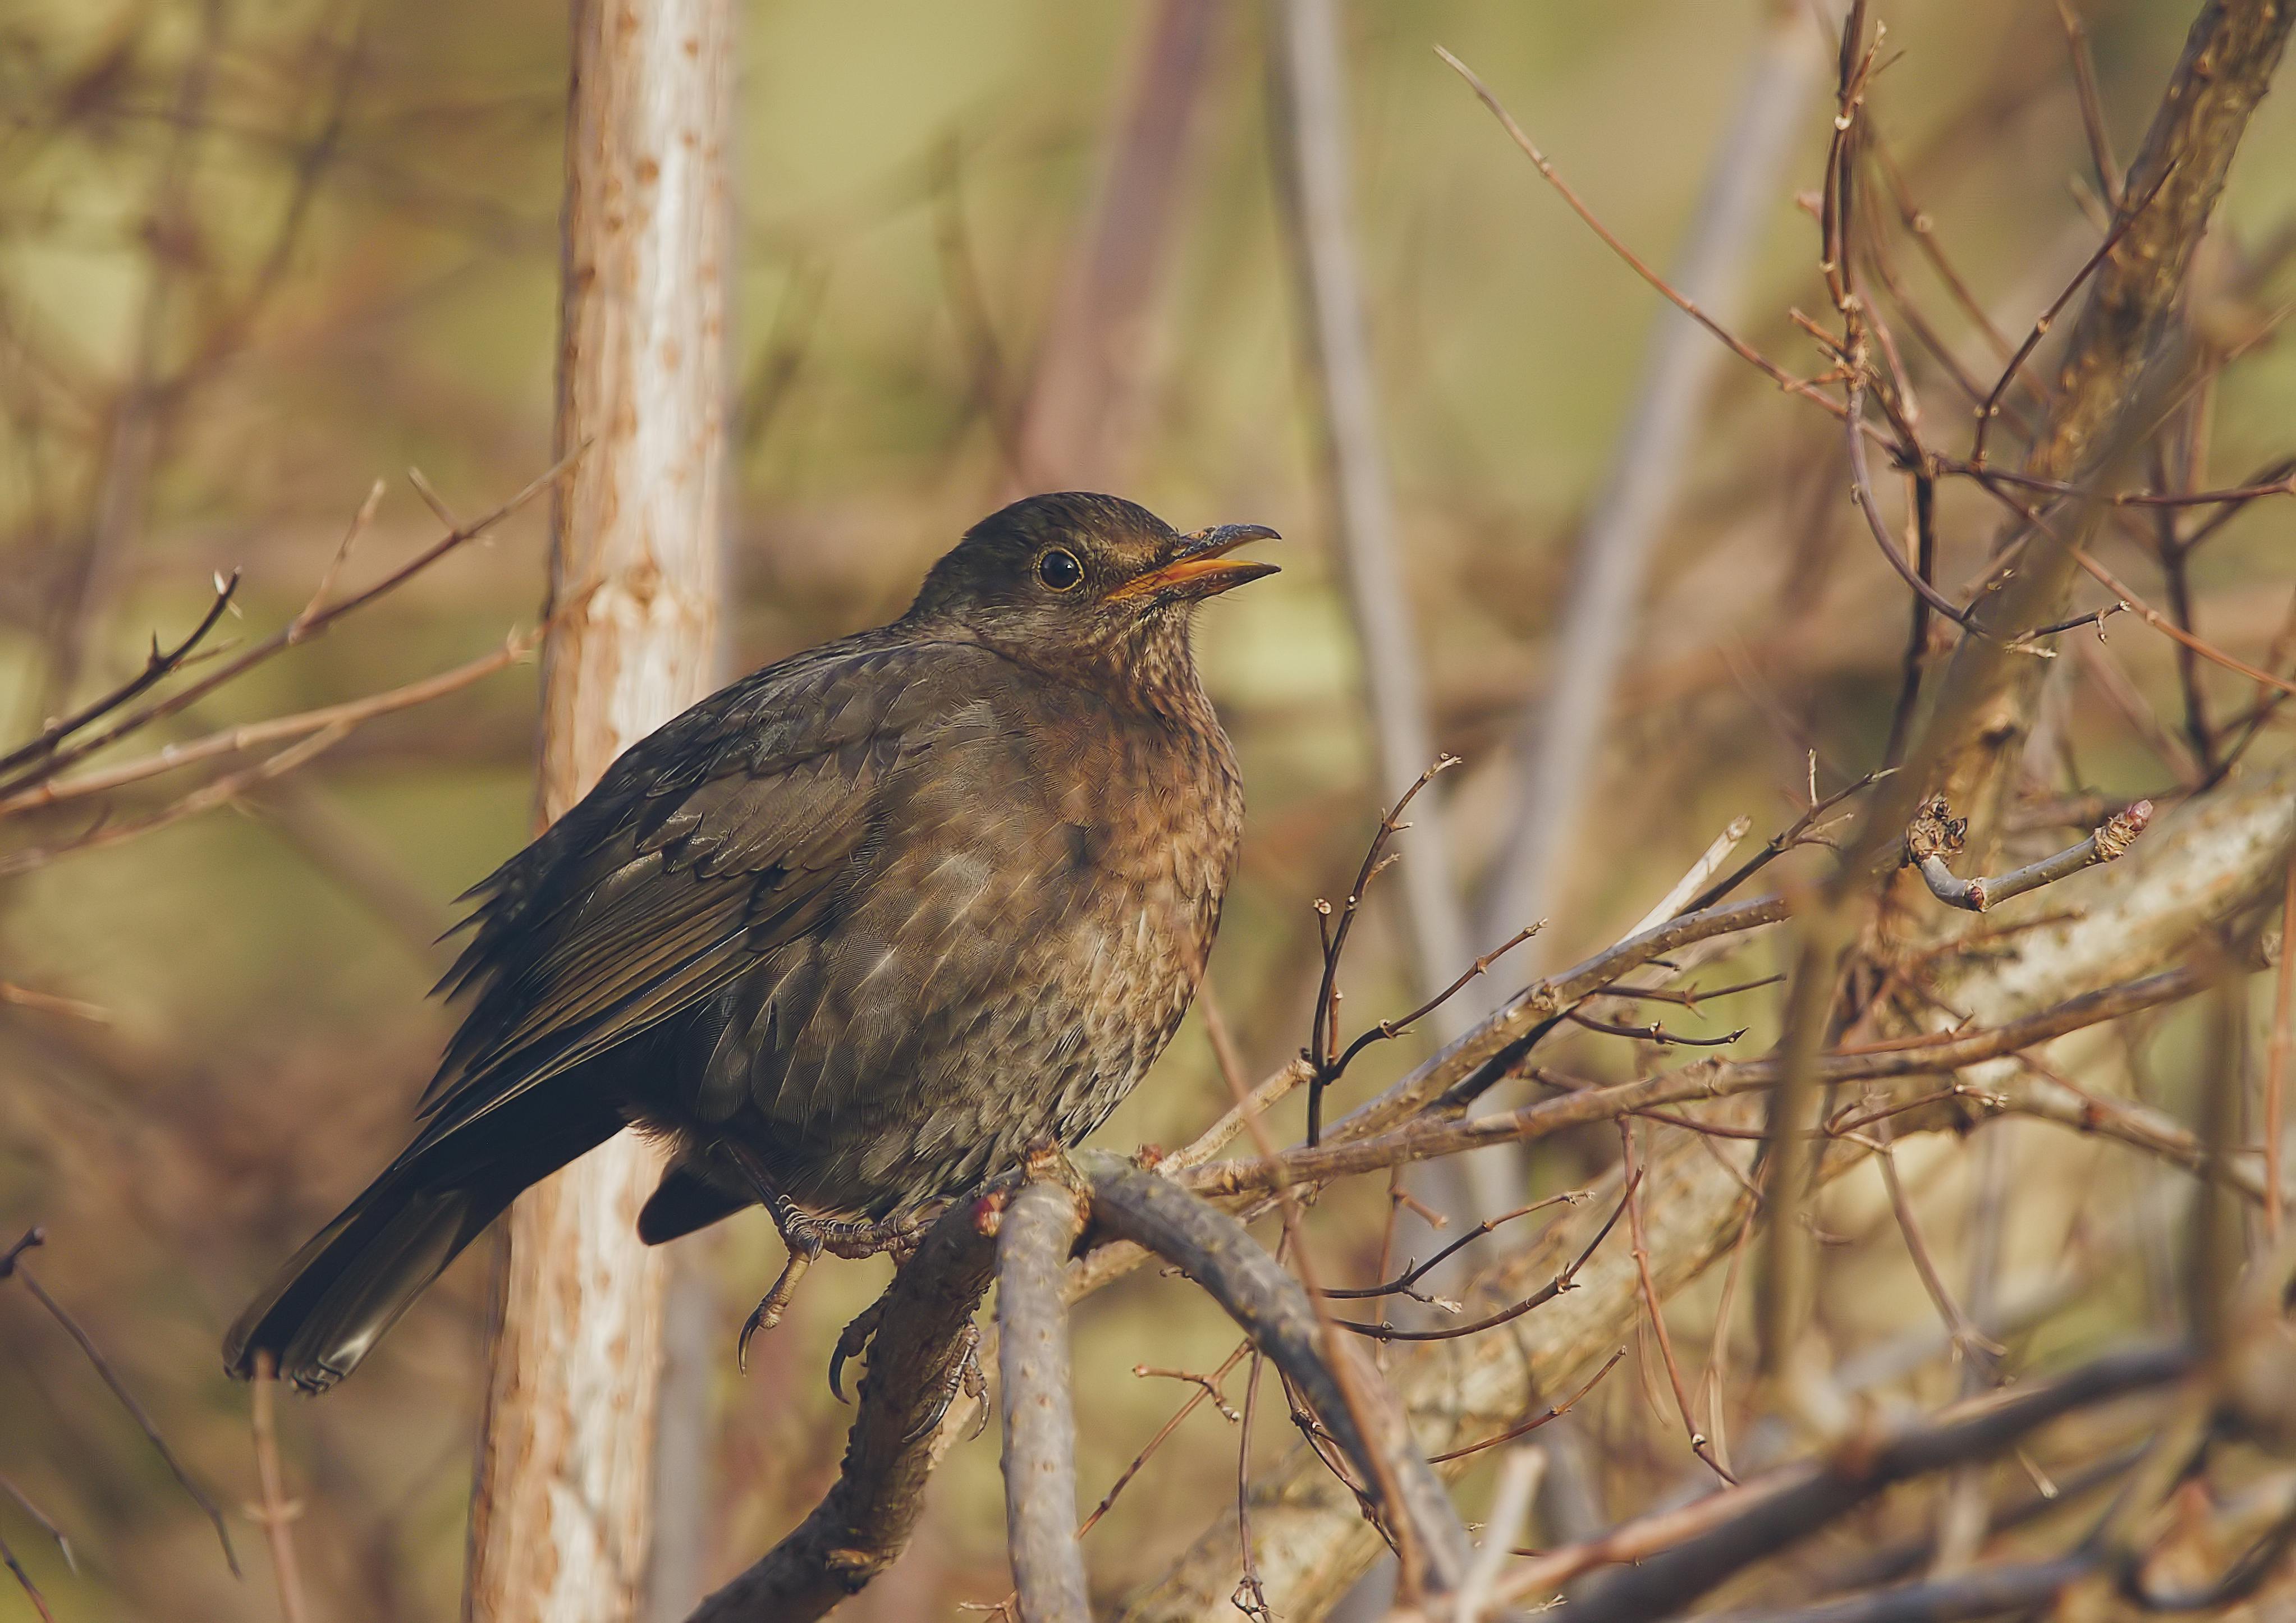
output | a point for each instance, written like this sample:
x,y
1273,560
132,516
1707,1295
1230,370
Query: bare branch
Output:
x,y
276,1512
1402,1282
2125,222
12,1265
157,665
1553,1412
2213,862
233,741
2276,1054
1744,351
1655,1309
1546,1293
1930,835
2119,341
1038,1227
1273,1310
24,1582
1861,484
301,629
1804,1498
215,792
916,1360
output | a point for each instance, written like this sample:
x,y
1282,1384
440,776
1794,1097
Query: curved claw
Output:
x,y
852,1343
769,1311
965,1377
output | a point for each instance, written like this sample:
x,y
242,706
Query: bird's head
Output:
x,y
1078,576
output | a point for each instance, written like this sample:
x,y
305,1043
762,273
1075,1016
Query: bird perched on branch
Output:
x,y
850,934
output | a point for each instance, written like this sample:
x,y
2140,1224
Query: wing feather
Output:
x,y
725,834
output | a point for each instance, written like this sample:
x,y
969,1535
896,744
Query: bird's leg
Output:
x,y
799,1231
807,1236
901,1237
965,1377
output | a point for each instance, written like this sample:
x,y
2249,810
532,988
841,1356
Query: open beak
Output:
x,y
1200,568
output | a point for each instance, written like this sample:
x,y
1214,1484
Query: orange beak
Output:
x,y
1200,569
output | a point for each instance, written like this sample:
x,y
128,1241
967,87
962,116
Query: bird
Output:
x,y
849,936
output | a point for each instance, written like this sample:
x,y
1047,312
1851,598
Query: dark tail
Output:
x,y
336,1296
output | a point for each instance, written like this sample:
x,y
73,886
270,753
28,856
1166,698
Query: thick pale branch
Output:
x,y
1039,1226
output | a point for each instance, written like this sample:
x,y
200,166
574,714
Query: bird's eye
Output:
x,y
1059,569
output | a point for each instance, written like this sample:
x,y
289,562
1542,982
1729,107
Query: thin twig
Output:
x,y
1279,1315
1207,1386
1387,1030
1207,1389
157,666
1524,1428
2128,218
2092,104
1323,1034
352,533
1655,1311
1920,519
276,1512
1539,1297
2277,1053
301,629
216,792
2111,839
1861,484
1654,1032
1744,351
1972,1343
1935,1054
41,1520
2159,622
24,1582
11,1263
251,736
1401,1285
1780,844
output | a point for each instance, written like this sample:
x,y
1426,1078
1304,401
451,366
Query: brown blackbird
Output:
x,y
851,934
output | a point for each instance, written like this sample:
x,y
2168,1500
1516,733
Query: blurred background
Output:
x,y
257,254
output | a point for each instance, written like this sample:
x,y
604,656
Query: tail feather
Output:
x,y
337,1295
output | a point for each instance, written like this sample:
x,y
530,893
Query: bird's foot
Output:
x,y
965,1377
775,1302
807,1237
852,1344
855,1237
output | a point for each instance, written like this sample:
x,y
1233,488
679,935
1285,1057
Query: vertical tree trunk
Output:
x,y
561,1520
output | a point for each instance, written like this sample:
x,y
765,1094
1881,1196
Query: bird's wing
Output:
x,y
727,832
